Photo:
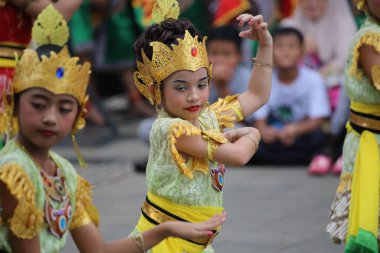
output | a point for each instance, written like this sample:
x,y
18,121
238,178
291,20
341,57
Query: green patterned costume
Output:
x,y
360,91
187,184
25,182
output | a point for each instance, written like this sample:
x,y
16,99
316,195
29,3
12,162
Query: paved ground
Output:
x,y
270,209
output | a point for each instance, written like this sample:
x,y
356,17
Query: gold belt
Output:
x,y
157,215
10,50
366,121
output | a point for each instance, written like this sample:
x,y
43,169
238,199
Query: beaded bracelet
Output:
x,y
139,240
252,138
260,64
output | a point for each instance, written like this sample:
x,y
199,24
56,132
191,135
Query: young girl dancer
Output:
x,y
41,195
355,211
185,171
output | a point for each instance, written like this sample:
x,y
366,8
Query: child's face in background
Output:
x,y
44,118
287,51
223,52
185,93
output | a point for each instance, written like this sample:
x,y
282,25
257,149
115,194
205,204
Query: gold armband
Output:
x,y
214,138
375,73
260,64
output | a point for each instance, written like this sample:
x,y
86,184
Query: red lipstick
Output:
x,y
47,133
193,108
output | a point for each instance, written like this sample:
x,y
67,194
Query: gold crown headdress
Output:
x,y
58,73
189,54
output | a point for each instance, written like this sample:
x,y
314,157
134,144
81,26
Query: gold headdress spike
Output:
x,y
58,73
165,9
50,28
189,54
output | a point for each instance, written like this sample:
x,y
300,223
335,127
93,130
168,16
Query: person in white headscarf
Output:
x,y
328,27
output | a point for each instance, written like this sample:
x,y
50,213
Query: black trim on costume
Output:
x,y
12,46
148,218
164,211
9,58
360,129
370,116
169,214
156,223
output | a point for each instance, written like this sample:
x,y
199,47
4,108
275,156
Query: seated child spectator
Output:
x,y
291,122
229,75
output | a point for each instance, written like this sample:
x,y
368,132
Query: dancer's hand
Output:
x,y
189,230
258,29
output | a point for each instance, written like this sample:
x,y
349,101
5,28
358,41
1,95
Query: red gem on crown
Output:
x,y
194,51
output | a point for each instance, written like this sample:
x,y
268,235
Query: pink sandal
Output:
x,y
320,165
337,167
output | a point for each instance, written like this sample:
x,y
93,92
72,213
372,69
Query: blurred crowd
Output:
x,y
304,119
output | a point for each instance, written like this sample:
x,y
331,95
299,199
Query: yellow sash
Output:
x,y
189,213
364,205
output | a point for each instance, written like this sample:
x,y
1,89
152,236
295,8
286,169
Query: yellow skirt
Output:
x,y
188,213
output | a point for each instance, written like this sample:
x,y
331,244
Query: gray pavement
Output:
x,y
270,209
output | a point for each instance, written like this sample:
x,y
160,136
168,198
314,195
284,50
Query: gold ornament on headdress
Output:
x,y
50,28
189,54
163,10
58,73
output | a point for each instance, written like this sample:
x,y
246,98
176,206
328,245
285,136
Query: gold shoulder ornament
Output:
x,y
375,73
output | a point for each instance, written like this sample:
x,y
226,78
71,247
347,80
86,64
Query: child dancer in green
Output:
x,y
42,197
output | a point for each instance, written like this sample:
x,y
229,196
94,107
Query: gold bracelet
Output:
x,y
260,64
252,138
139,240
